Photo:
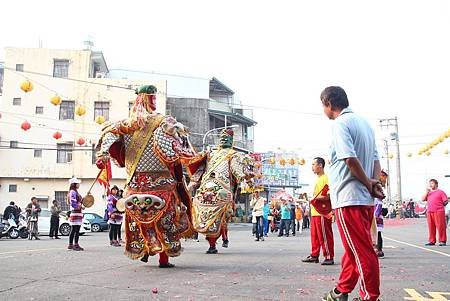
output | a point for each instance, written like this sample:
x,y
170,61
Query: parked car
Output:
x,y
97,222
64,226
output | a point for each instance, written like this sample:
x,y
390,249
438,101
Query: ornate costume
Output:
x,y
217,175
152,148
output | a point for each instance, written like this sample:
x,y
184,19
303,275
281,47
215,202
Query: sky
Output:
x,y
391,57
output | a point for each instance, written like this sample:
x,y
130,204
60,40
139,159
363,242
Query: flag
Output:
x,y
105,176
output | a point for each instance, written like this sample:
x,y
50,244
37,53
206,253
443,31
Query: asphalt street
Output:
x,y
247,270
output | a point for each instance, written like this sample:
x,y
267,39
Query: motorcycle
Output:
x,y
9,229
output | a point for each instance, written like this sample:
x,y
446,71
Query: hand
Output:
x,y
101,162
376,189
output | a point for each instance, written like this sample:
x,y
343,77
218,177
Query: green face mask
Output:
x,y
226,141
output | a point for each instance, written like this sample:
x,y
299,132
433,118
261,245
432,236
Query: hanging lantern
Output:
x,y
409,155
282,162
100,119
447,134
291,161
57,135
26,86
446,152
390,156
428,153
302,161
55,100
25,125
81,141
80,110
272,160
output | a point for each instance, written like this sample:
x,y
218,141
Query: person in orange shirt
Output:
x,y
298,218
321,226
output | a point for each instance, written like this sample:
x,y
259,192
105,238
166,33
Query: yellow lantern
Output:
x,y
80,110
390,156
26,86
302,162
409,155
291,161
441,138
99,119
282,162
447,134
446,152
55,100
428,153
272,160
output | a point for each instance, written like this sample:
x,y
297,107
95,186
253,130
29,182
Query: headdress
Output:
x,y
144,95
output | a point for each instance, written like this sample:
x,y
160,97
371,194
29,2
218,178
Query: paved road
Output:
x,y
248,270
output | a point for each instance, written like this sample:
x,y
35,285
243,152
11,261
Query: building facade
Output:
x,y
34,163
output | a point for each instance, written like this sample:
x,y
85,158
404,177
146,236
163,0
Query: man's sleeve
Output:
x,y
342,142
444,196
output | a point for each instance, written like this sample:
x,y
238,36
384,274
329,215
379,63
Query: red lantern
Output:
x,y
25,125
81,141
57,135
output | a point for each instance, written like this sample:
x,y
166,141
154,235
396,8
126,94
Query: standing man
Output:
x,y
33,210
321,222
257,203
354,173
54,220
436,200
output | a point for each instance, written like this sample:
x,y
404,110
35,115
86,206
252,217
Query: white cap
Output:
x,y
74,180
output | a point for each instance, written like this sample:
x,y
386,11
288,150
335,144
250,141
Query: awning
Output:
x,y
239,118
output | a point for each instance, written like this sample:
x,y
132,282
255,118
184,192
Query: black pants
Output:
x,y
74,234
293,226
54,226
380,241
114,231
259,227
305,222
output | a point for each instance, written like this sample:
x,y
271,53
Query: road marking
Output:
x,y
415,246
436,296
49,249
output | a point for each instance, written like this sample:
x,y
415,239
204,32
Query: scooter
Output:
x,y
10,229
23,227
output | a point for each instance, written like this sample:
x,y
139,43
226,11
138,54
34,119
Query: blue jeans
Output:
x,y
259,226
266,226
285,225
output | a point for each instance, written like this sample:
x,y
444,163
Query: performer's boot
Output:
x,y
212,245
144,258
224,233
164,261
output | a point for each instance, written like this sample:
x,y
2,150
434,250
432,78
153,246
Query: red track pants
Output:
x,y
163,258
436,220
359,260
223,233
322,236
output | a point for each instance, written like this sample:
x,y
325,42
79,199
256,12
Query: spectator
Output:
x,y
54,220
305,208
299,218
266,214
257,203
11,210
33,209
285,218
436,201
292,223
354,173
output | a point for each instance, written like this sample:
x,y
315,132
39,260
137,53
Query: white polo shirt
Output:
x,y
352,136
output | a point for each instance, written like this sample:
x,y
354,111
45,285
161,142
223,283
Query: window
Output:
x,y
19,67
64,152
94,154
89,216
130,106
61,68
38,153
17,101
61,198
12,188
66,110
44,212
39,110
101,108
13,144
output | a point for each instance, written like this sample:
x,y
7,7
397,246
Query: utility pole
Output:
x,y
388,180
388,123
